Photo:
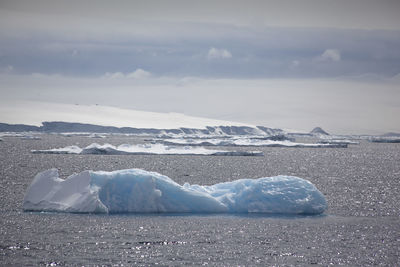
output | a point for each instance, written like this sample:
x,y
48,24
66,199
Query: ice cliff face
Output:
x,y
59,127
135,190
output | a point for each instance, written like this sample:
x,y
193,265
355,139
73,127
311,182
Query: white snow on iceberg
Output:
x,y
244,142
144,149
139,191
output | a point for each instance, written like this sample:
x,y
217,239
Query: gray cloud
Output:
x,y
354,14
260,38
251,53
170,55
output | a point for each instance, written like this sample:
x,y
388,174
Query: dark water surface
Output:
x,y
361,226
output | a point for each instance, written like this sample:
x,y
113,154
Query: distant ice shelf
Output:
x,y
244,142
144,149
136,190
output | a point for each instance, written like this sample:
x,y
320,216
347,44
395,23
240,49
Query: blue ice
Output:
x,y
140,191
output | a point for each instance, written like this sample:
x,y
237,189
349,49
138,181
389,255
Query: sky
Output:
x,y
285,64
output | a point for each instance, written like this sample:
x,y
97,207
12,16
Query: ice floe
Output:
x,y
136,190
244,142
338,141
144,149
21,135
385,139
30,137
11,134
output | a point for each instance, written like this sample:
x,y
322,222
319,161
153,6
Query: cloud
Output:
x,y
7,69
215,53
114,75
330,55
137,74
239,52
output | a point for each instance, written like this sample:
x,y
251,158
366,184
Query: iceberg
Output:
x,y
30,137
338,141
244,142
318,131
97,135
11,134
22,135
144,149
140,191
384,139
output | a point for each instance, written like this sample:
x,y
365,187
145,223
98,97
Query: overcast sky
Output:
x,y
287,64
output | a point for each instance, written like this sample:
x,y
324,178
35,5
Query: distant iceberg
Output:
x,y
243,142
144,149
30,137
11,134
21,135
318,131
338,141
139,191
385,139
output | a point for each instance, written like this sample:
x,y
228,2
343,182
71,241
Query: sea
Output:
x,y
361,226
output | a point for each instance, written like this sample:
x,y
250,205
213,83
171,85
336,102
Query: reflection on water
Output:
x,y
361,226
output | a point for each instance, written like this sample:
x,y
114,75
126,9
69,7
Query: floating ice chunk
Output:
x,y
11,134
144,149
63,150
26,136
135,190
245,142
339,141
97,135
30,137
384,139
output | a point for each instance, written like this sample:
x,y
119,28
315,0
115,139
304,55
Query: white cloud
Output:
x,y
137,74
330,55
114,75
215,53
